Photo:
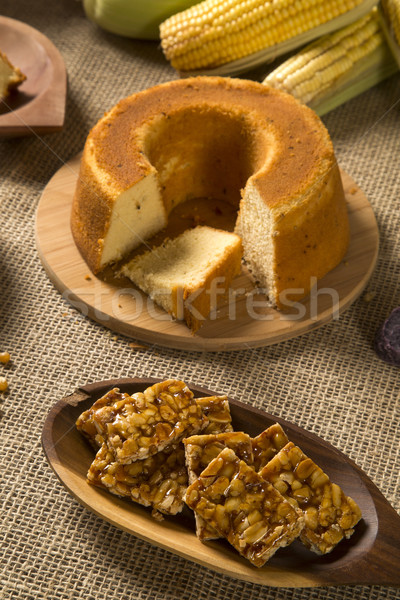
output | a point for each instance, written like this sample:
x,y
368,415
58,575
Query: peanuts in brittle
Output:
x,y
244,508
329,514
137,426
267,444
200,450
216,409
159,480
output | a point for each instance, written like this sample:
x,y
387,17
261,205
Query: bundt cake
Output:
x,y
212,137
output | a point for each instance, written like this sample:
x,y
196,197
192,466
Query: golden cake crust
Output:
x,y
302,143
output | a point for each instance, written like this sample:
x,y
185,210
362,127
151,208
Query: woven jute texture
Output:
x,y
329,381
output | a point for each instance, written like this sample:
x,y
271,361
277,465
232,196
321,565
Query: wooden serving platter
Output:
x,y
38,104
370,556
244,322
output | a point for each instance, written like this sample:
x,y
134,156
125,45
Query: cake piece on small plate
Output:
x,y
10,76
200,450
329,514
244,508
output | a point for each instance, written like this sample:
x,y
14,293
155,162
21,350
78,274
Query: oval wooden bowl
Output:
x,y
370,556
118,305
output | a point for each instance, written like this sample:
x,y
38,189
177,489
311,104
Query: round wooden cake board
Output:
x,y
245,321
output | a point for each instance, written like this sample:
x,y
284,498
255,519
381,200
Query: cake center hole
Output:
x,y
202,156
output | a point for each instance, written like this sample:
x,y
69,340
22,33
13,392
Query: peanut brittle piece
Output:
x,y
244,508
159,481
200,450
267,444
141,425
216,409
329,514
85,422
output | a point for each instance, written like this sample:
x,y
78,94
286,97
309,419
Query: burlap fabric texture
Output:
x,y
329,381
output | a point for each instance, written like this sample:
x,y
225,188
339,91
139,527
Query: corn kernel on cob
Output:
x,y
392,11
216,32
316,67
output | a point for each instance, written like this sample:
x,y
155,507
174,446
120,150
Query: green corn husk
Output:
x,y
389,12
133,18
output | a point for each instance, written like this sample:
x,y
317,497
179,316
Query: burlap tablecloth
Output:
x,y
329,381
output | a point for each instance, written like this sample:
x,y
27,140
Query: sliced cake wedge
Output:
x,y
189,274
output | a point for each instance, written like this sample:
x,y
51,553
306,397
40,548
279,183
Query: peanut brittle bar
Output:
x,y
85,422
329,514
244,508
200,450
216,409
267,444
159,481
137,426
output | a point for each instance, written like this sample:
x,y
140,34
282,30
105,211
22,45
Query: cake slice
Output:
x,y
187,275
10,76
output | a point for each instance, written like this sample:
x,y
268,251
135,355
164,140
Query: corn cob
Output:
x,y
392,11
215,32
313,71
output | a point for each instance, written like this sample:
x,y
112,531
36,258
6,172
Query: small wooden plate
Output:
x,y
370,556
38,105
246,322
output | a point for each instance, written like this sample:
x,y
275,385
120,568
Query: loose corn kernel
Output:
x,y
215,32
3,384
5,357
